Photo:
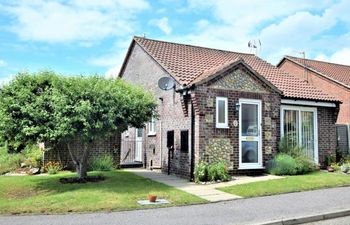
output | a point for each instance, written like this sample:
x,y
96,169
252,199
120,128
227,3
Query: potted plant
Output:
x,y
152,198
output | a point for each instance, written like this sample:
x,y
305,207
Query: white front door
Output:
x,y
250,142
138,144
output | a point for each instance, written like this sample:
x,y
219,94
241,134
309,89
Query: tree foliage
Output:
x,y
47,107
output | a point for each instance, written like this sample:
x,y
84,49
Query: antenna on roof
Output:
x,y
255,46
306,77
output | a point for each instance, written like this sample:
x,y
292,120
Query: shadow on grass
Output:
x,y
116,182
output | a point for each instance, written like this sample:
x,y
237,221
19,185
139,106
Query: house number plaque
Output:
x,y
235,123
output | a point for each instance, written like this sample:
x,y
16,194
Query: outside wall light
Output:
x,y
237,106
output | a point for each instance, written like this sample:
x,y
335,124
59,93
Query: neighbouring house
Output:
x,y
333,79
225,106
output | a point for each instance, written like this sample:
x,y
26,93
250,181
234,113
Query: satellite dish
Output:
x,y
166,83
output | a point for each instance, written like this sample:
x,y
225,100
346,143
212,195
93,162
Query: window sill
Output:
x,y
151,134
251,167
222,127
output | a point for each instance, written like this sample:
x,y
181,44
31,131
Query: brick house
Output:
x,y
225,106
333,79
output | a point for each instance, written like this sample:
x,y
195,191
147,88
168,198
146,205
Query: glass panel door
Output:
x,y
299,125
291,127
307,133
250,136
138,145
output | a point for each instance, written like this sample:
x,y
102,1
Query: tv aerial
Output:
x,y
255,46
166,83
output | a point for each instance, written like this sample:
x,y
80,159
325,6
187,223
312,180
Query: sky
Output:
x,y
82,37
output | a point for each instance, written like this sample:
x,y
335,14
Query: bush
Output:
x,y
102,163
283,164
52,167
9,162
200,172
285,148
218,171
305,165
33,156
211,172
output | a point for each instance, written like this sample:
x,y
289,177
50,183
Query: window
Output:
x,y
152,127
221,112
299,127
184,140
170,139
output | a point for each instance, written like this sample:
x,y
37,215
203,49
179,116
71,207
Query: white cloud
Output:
x,y
2,63
342,57
6,80
73,20
282,26
162,24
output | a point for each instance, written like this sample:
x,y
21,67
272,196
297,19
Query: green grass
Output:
x,y
312,181
120,191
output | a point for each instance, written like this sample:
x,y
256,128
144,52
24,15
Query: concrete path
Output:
x,y
207,191
240,211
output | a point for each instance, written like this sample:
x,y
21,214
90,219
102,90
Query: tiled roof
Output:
x,y
188,64
338,72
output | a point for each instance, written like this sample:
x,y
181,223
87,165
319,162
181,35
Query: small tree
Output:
x,y
52,108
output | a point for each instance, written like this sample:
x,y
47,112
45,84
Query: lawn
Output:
x,y
120,191
312,181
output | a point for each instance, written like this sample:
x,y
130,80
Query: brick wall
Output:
x,y
327,141
207,117
60,152
326,85
142,70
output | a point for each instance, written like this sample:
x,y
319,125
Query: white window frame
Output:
x,y
304,109
152,126
225,124
259,164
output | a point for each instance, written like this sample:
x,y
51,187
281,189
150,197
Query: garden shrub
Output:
x,y
305,165
200,172
102,163
283,164
9,161
33,156
53,167
218,171
211,172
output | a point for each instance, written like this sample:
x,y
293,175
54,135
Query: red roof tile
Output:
x,y
338,72
187,64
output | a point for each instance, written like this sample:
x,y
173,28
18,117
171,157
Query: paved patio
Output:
x,y
205,191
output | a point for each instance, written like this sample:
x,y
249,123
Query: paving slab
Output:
x,y
207,192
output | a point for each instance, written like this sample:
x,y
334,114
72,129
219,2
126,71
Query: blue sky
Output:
x,y
92,36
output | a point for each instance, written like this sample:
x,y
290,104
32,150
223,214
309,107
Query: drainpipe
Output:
x,y
348,131
161,143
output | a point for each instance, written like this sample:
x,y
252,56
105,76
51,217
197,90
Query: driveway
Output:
x,y
240,211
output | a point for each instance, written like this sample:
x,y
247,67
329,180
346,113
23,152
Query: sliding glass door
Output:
x,y
299,127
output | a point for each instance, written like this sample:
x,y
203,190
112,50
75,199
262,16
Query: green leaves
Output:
x,y
48,107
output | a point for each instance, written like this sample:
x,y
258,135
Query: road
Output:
x,y
241,211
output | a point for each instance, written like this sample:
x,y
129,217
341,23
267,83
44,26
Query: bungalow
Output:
x,y
333,79
224,106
